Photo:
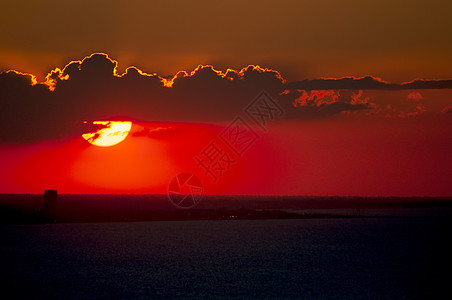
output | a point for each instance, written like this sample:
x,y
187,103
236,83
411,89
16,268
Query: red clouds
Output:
x,y
316,98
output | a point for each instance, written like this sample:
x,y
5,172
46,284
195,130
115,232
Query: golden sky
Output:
x,y
395,40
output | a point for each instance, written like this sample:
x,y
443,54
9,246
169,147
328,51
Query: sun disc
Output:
x,y
113,133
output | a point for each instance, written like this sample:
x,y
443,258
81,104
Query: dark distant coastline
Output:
x,y
31,209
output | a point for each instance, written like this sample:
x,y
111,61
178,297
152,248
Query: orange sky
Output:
x,y
394,40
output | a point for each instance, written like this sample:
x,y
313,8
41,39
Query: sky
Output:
x,y
331,97
394,40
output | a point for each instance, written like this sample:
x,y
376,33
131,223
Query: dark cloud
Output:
x,y
25,108
447,110
92,89
367,83
156,132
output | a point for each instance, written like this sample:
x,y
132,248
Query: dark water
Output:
x,y
387,258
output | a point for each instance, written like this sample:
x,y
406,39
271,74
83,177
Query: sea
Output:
x,y
320,258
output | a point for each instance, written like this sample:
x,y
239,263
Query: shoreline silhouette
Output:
x,y
74,208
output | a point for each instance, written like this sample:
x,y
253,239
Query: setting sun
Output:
x,y
113,133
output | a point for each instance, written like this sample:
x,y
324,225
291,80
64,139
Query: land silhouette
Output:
x,y
51,208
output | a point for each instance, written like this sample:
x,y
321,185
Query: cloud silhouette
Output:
x,y
447,110
92,89
367,83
